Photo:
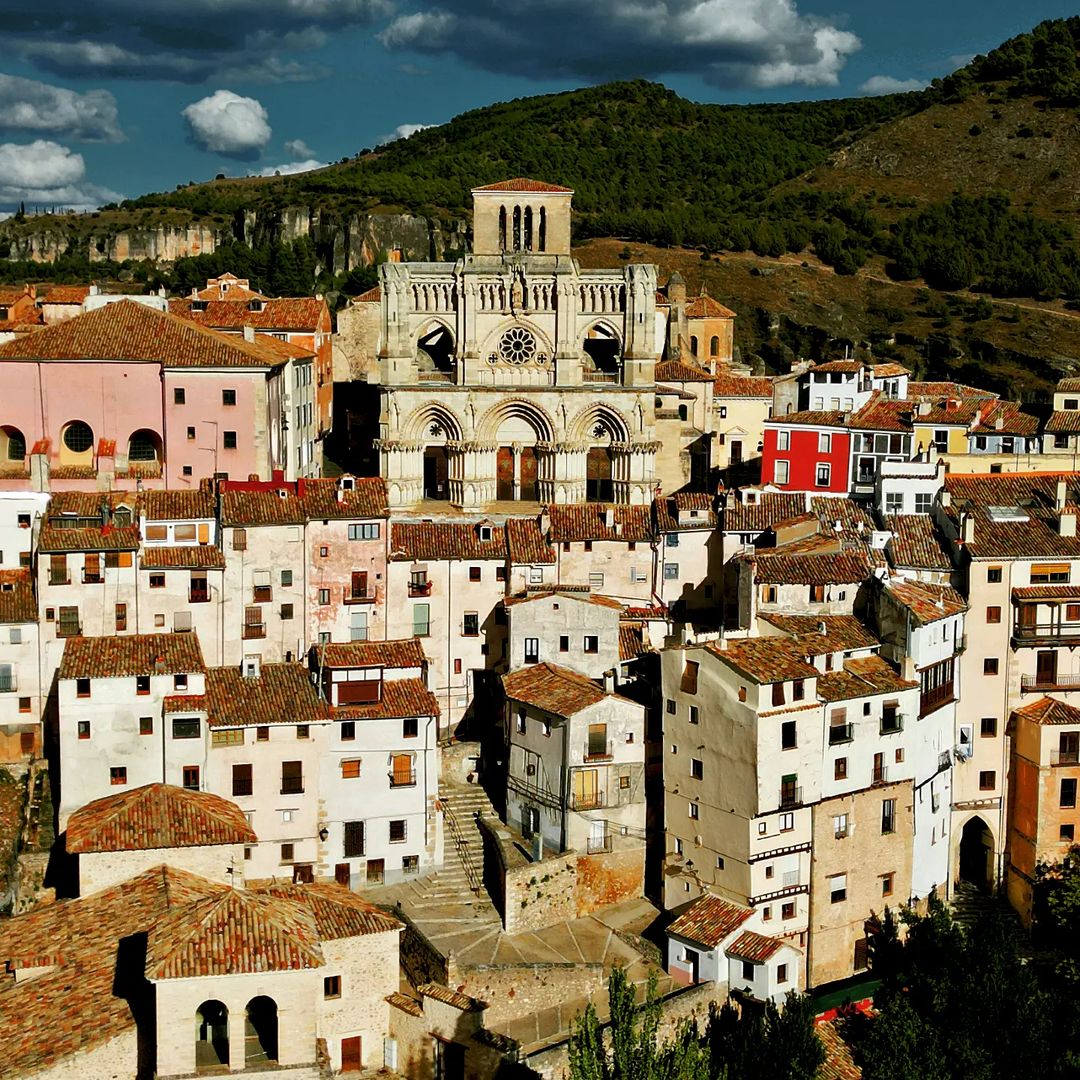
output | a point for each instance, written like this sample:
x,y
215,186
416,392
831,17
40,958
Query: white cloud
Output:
x,y
886,84
28,105
765,43
402,131
290,167
45,173
227,123
298,149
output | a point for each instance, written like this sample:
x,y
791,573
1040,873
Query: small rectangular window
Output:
x,y
993,615
186,727
262,734
228,397
350,769
988,727
241,780
1067,795
83,728
332,986
146,725
990,665
190,775
471,624
82,688
591,644
397,831
993,575
178,395
118,775
142,684
228,440
475,573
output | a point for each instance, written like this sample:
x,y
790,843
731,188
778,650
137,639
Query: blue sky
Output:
x,y
126,96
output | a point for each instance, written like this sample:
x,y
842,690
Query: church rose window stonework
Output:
x,y
513,373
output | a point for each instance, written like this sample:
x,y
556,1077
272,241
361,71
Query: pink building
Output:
x,y
126,396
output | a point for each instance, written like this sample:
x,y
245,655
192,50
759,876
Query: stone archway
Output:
x,y
261,1031
977,854
211,1036
602,351
517,429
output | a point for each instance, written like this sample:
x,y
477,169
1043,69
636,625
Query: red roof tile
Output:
x,y
881,413
851,367
130,655
769,508
812,418
305,500
130,331
1049,711
526,543
705,307
280,694
372,296
728,385
837,632
445,540
708,920
400,697
757,948
1065,422
191,557
522,183
675,371
402,653
765,659
157,816
588,521
65,294
1047,593
570,592
866,676
927,603
827,568
632,641
922,390
299,314
673,513
17,603
888,370
338,913
917,543
553,689
177,505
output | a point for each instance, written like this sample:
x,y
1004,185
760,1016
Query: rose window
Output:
x,y
517,346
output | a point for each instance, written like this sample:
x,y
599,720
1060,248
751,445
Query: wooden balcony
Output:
x,y
1045,635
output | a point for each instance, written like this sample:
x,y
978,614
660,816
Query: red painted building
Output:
x,y
807,451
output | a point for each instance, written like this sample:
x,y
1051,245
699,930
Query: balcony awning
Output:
x,y
1046,594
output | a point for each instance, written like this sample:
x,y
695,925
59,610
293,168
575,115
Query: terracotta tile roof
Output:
x,y
76,1008
17,603
580,593
841,632
523,183
812,418
657,612
1008,536
184,703
757,948
927,603
851,367
668,391
372,296
402,653
888,370
305,500
280,694
451,997
705,307
1063,422
770,507
666,510
191,557
110,538
839,1063
1068,386
130,655
728,385
632,641
1012,421
127,330
708,920
445,540
65,294
1047,593
405,1003
863,677
917,543
157,816
921,390
828,568
586,521
954,411
195,505
1049,711
526,543
881,413
338,912
299,314
235,932
400,697
554,689
675,371
765,659
234,293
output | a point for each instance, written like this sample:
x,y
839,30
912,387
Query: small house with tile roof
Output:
x,y
178,974
1044,772
111,698
741,405
715,940
908,488
121,835
21,693
569,625
689,554
576,760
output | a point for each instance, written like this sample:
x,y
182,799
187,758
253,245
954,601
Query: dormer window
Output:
x,y
251,667
484,532
255,305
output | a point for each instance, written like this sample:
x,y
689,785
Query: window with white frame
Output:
x,y
923,502
781,472
783,440
823,475
894,502
824,442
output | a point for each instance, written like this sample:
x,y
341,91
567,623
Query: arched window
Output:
x,y
502,228
261,1031
12,444
528,229
693,346
517,228
144,445
682,412
211,1035
541,239
714,346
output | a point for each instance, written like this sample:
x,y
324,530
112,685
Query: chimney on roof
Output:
x,y
159,665
249,334
609,517
1067,525
967,528
946,499
1061,493
951,405
822,628
999,423
609,681
924,408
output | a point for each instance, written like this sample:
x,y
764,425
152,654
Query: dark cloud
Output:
x,y
761,43
31,106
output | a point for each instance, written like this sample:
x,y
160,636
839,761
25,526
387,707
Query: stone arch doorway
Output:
x,y
435,427
261,1031
977,854
211,1035
517,427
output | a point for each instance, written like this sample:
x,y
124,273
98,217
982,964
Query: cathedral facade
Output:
x,y
513,374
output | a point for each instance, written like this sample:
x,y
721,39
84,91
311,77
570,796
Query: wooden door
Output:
x,y
1046,667
504,473
342,874
402,770
528,473
352,1055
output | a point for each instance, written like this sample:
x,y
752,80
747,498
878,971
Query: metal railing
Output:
x,y
590,800
1045,634
790,796
1050,682
8,683
402,779
841,733
934,699
351,597
1057,757
420,588
474,873
600,376
879,775
891,725
600,750
198,596
254,630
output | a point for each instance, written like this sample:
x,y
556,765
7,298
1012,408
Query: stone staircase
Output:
x,y
970,904
450,906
